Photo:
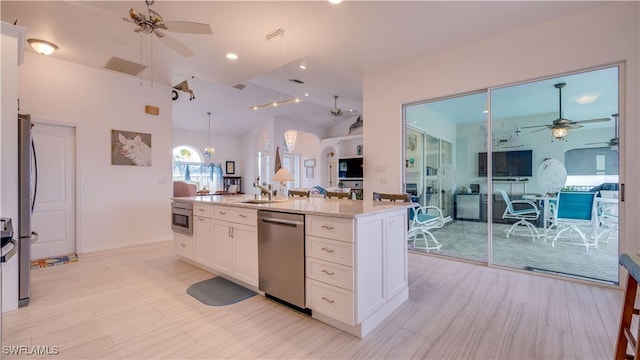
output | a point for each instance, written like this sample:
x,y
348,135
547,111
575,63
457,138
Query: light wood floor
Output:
x,y
132,304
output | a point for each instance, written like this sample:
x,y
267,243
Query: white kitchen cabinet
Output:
x,y
356,269
203,242
235,243
183,245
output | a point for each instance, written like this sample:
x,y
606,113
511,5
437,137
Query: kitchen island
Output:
x,y
355,252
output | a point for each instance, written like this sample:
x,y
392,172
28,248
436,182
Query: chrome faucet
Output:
x,y
264,190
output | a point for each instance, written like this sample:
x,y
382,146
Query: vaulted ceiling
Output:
x,y
338,43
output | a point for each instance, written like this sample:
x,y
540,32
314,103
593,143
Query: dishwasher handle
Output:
x,y
284,222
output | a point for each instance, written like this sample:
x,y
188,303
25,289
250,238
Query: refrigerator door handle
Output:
x,y
4,258
35,165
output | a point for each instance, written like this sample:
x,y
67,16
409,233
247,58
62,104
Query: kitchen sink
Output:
x,y
257,201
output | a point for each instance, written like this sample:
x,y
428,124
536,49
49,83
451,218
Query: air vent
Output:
x,y
296,81
239,86
124,66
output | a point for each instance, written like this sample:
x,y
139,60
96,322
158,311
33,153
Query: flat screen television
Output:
x,y
350,168
517,163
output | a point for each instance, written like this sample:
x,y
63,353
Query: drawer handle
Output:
x,y
222,213
327,272
242,215
328,300
183,245
200,209
200,219
327,250
327,227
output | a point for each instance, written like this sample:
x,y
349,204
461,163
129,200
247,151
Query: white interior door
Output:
x,y
54,215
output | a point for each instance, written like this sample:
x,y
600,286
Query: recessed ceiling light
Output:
x,y
586,98
335,1
232,56
42,47
303,66
306,94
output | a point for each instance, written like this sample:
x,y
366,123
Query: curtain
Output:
x,y
204,175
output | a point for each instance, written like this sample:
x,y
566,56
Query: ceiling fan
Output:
x,y
561,126
154,24
337,112
613,142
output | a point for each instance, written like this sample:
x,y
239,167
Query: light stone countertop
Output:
x,y
349,209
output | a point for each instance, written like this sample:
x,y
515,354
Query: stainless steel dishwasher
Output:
x,y
281,256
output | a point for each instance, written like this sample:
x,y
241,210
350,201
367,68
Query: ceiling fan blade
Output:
x,y
533,126
591,121
598,143
575,126
535,131
176,45
188,27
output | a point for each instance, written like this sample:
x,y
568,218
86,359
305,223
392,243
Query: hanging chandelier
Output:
x,y
290,139
209,150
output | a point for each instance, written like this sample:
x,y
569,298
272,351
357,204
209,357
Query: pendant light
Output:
x,y
290,139
209,150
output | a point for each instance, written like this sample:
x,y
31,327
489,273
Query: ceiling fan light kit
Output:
x,y
560,127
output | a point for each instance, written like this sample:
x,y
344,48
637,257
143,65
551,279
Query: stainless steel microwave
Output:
x,y
182,218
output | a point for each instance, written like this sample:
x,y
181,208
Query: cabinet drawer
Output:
x,y
330,273
202,210
332,228
339,252
235,215
183,245
330,300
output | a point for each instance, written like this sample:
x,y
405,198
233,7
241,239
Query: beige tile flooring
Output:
x,y
131,303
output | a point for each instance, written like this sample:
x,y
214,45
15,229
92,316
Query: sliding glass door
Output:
x,y
495,170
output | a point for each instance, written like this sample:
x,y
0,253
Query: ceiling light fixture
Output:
x,y
303,66
278,33
560,133
290,139
232,56
209,150
42,47
275,103
335,2
586,98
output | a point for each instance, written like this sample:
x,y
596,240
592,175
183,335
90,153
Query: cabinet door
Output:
x,y
183,245
222,248
203,241
396,252
370,266
245,239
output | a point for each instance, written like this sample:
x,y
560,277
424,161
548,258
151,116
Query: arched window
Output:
x,y
188,165
186,153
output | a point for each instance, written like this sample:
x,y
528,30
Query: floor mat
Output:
x,y
54,260
218,292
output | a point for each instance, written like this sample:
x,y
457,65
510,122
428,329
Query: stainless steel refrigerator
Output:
x,y
27,189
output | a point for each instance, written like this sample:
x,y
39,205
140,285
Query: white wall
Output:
x,y
599,36
116,205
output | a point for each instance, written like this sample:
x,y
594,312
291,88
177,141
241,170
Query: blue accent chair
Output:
x,y
574,210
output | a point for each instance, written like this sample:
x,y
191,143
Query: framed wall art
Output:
x,y
130,148
310,163
230,167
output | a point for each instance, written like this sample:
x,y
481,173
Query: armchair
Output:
x,y
528,212
423,219
576,209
